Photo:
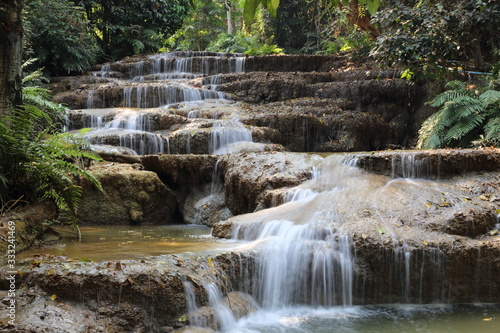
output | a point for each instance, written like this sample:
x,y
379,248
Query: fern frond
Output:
x,y
492,129
464,127
29,62
444,97
456,85
489,98
428,136
465,106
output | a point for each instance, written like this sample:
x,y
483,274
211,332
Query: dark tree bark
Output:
x,y
11,31
361,19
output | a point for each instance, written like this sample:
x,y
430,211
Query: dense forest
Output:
x,y
68,36
427,40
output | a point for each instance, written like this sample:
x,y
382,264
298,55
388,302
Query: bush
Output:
x,y
37,160
469,115
242,43
56,33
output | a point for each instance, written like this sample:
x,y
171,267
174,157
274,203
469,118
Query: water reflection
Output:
x,y
132,242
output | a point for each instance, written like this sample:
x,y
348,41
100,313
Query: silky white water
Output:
x,y
305,277
166,80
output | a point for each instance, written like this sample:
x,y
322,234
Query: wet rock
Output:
x,y
124,296
430,164
248,176
28,224
223,229
237,303
190,178
192,329
178,171
205,208
130,196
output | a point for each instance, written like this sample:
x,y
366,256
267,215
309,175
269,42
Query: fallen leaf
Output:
x,y
425,243
380,230
53,297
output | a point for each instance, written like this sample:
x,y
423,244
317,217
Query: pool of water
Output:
x,y
481,318
133,242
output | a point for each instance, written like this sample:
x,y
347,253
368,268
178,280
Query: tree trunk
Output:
x,y
230,19
362,19
11,30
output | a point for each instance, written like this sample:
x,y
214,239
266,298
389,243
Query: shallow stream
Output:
x,y
375,319
129,242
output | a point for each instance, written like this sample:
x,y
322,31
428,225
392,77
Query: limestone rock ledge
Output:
x,y
131,196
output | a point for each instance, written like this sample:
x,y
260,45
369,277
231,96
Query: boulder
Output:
x,y
248,177
130,196
25,223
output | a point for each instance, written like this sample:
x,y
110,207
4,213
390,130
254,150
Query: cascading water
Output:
x,y
159,82
305,258
223,135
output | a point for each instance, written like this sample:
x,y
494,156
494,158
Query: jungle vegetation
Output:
x,y
427,39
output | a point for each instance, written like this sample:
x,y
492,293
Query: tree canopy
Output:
x,y
124,27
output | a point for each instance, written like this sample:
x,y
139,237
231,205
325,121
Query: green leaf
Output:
x,y
249,10
490,97
372,6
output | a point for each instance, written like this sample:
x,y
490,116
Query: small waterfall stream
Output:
x,y
303,253
305,257
153,87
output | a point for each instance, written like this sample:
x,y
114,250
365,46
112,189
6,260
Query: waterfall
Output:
x,y
130,121
225,134
104,72
302,264
90,100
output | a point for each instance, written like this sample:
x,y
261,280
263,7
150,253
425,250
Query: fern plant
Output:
x,y
468,115
41,161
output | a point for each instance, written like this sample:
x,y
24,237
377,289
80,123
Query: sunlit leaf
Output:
x,y
372,6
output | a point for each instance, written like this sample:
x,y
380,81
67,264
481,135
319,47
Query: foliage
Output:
x,y
414,36
56,33
36,95
250,8
355,41
38,162
294,27
126,27
422,35
242,43
468,115
371,5
198,30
